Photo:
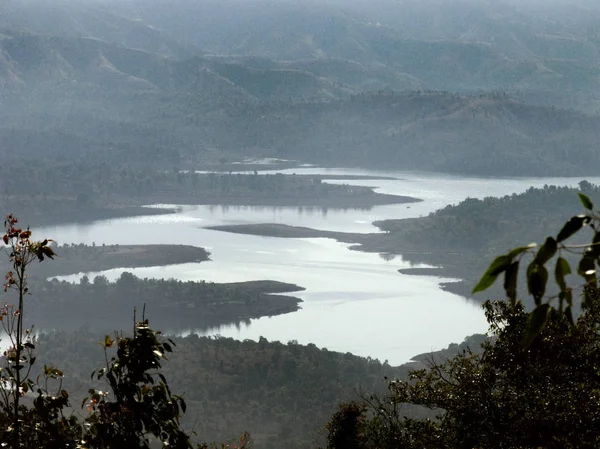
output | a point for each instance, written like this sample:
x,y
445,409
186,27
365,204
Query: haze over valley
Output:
x,y
303,194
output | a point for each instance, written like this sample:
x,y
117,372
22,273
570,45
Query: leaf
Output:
x,y
561,270
569,315
499,265
537,277
510,281
521,249
586,201
546,252
587,268
572,226
536,323
48,252
108,342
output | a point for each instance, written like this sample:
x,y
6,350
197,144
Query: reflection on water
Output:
x,y
354,301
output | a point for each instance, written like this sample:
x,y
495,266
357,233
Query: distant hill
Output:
x,y
27,60
535,51
80,19
433,131
305,83
546,53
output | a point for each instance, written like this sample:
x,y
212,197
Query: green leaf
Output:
x,y
537,277
546,252
536,323
572,226
521,249
569,315
510,281
586,201
499,265
561,270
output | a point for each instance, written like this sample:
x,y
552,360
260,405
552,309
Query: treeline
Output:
x,y
280,393
77,191
173,305
80,258
88,183
485,227
463,238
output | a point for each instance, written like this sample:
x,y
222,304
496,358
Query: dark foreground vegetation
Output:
x,y
278,392
531,384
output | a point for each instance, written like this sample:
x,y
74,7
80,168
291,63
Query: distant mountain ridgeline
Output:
x,y
547,54
192,83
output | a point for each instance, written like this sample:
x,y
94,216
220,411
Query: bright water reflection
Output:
x,y
354,301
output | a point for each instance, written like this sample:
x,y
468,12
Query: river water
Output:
x,y
354,302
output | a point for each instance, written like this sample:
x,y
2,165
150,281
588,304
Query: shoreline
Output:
x,y
336,196
366,243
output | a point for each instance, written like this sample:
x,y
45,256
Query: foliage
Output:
x,y
459,237
138,410
275,391
537,271
141,404
533,384
347,426
18,358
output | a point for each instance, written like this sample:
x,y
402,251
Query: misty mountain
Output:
x,y
77,19
488,134
549,54
543,54
27,60
87,90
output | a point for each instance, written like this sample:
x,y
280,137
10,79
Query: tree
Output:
x,y
137,412
18,359
534,383
140,404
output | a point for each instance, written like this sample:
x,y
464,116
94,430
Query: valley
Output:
x,y
300,195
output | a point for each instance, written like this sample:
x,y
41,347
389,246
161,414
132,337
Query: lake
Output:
x,y
354,302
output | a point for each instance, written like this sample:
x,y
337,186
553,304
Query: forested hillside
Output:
x,y
276,391
463,238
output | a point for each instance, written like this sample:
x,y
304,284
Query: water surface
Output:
x,y
354,302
